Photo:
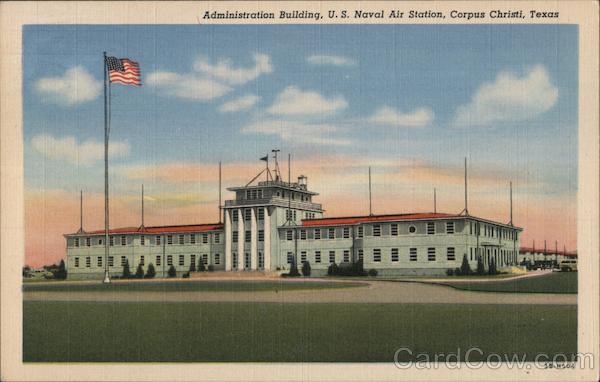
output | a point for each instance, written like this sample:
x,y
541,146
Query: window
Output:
x,y
76,242
169,239
450,228
234,236
317,256
377,255
169,260
318,234
204,238
248,237
180,239
112,241
302,234
217,238
77,262
205,258
450,254
289,235
247,214
332,256
193,259
142,240
111,261
430,228
394,256
261,235
99,263
302,257
360,254
123,260
346,256
430,254
193,238
470,228
361,232
471,254
261,214
247,260
157,240
346,233
217,259
290,258
99,241
234,259
394,230
376,230
181,260
158,260
331,234
141,260
123,240
412,229
88,241
234,215
412,254
88,262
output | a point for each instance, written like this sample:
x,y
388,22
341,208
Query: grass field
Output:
x,y
190,286
556,282
272,332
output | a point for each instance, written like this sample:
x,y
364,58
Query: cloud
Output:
x,y
321,59
509,98
68,149
224,70
188,86
75,86
294,101
386,115
239,104
299,132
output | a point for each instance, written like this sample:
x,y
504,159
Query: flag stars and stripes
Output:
x,y
123,71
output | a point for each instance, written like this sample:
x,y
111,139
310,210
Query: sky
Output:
x,y
411,101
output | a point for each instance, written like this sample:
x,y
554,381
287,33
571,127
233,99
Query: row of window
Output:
x,y
247,260
505,255
157,260
122,240
330,232
394,255
482,229
247,236
247,212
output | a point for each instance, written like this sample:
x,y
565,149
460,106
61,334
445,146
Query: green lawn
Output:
x,y
273,332
190,286
556,282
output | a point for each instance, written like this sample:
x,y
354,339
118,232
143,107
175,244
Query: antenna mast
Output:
x,y
277,171
142,226
80,211
511,206
370,203
466,210
220,217
434,201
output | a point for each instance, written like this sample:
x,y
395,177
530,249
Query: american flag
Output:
x,y
123,71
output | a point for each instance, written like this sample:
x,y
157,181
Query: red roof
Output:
x,y
375,218
160,229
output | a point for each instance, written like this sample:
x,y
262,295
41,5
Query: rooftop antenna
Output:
x,y
511,207
556,250
277,171
80,212
290,185
466,210
434,201
220,217
544,248
370,203
142,226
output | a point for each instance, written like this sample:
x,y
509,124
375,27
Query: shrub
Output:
x,y
373,272
172,272
457,272
306,269
201,267
186,275
126,271
465,268
480,267
333,270
150,272
139,272
211,268
449,272
293,271
61,272
193,266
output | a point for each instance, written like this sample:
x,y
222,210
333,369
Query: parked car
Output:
x,y
569,265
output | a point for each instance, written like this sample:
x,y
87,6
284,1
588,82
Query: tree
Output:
x,y
172,272
126,271
139,272
306,269
61,272
480,267
201,267
150,272
465,268
192,266
333,269
293,271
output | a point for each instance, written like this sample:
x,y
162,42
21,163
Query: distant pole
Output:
x,y
370,201
511,206
556,250
466,200
106,217
142,206
290,186
220,217
81,211
434,202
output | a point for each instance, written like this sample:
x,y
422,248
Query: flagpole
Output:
x,y
106,244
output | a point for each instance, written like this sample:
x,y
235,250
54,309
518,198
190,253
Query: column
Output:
x,y
267,240
227,240
241,240
253,241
